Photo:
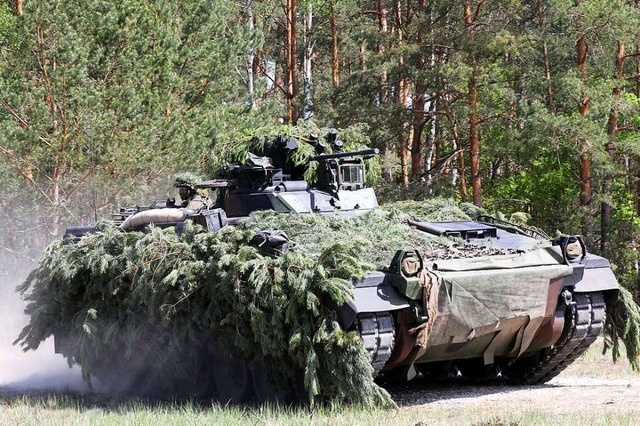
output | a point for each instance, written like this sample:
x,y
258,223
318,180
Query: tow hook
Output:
x,y
567,297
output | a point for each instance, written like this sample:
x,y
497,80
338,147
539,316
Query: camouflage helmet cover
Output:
x,y
186,179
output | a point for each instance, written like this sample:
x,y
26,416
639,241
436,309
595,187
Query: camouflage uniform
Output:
x,y
188,180
196,202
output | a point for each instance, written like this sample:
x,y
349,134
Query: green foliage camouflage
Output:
x,y
355,137
186,179
623,325
380,232
121,296
118,295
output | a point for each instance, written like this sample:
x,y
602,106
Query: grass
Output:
x,y
594,364
49,408
65,410
528,418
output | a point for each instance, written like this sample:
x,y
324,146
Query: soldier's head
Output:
x,y
186,184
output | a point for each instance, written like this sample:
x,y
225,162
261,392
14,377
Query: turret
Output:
x,y
274,182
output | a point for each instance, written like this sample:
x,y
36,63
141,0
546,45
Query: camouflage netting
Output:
x,y
161,299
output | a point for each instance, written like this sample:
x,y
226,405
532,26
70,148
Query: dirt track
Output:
x,y
555,397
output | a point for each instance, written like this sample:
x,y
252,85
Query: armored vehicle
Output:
x,y
518,309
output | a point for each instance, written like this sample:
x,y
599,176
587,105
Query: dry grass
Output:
x,y
595,364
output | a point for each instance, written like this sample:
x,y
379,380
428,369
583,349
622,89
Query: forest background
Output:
x,y
516,105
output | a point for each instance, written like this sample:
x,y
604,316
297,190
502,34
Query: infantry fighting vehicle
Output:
x,y
520,316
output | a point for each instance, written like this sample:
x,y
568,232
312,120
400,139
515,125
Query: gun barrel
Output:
x,y
369,152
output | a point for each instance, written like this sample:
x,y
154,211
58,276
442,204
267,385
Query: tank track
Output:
x,y
378,334
584,320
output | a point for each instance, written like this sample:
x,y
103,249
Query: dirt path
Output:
x,y
555,397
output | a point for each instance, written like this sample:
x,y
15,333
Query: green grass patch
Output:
x,y
84,410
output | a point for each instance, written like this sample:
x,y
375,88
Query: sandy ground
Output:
x,y
557,397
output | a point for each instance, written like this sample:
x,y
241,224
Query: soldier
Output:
x,y
186,184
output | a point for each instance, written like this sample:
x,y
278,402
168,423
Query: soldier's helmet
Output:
x,y
186,179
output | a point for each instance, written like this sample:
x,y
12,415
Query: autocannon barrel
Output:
x,y
363,152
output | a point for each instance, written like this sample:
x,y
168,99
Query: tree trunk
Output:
x,y
416,148
383,28
637,70
474,145
403,93
250,55
437,149
418,107
637,177
430,142
612,132
382,94
474,133
462,172
335,64
292,62
19,4
307,111
402,96
545,55
585,159
636,183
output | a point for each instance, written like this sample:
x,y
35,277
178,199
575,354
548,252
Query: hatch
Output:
x,y
465,230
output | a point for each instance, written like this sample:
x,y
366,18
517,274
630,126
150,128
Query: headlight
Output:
x,y
410,266
573,249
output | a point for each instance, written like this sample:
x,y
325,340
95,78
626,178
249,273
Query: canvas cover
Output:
x,y
253,160
501,295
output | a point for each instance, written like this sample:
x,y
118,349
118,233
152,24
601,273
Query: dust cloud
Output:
x,y
41,369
